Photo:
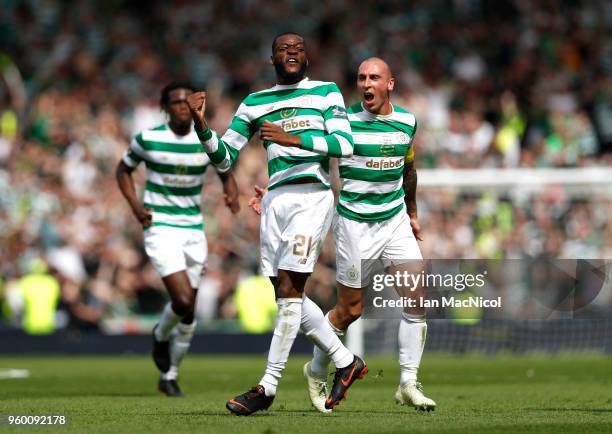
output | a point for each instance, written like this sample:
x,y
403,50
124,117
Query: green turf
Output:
x,y
475,394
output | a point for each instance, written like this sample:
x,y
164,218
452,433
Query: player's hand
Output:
x,y
197,106
274,133
144,215
416,228
255,201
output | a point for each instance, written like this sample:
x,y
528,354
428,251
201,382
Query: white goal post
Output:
x,y
593,178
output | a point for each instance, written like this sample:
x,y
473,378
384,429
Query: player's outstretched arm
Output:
x,y
197,106
126,185
223,152
216,151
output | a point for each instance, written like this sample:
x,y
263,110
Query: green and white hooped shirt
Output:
x,y
175,173
372,180
314,110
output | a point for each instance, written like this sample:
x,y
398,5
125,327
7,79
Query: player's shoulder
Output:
x,y
355,109
265,96
258,93
330,86
400,109
162,127
150,134
257,97
400,114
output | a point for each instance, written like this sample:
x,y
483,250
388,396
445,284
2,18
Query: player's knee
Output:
x,y
285,291
182,304
288,286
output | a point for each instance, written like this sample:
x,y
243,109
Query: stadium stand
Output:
x,y
495,86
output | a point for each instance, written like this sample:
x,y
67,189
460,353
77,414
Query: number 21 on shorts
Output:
x,y
302,245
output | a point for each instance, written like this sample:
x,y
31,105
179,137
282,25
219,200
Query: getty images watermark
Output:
x,y
408,283
517,289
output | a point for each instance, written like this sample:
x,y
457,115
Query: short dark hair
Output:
x,y
283,34
165,92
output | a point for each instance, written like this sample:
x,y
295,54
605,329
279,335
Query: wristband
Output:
x,y
204,135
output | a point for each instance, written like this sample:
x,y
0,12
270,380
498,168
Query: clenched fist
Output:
x,y
197,106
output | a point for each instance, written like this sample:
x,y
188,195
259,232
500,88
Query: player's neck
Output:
x,y
180,129
286,81
386,108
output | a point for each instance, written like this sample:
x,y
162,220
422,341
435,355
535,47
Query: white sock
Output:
x,y
320,357
287,327
411,340
322,333
181,341
166,323
172,374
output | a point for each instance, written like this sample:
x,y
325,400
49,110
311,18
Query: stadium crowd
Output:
x,y
492,84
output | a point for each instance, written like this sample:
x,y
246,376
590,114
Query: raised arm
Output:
x,y
222,152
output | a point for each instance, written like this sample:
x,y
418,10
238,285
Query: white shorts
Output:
x,y
295,219
391,240
175,249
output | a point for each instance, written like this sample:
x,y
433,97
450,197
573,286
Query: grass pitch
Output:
x,y
475,394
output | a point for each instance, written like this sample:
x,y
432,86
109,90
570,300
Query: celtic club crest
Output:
x,y
403,138
387,150
352,274
288,112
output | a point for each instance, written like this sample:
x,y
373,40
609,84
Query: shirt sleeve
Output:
x,y
134,154
223,152
410,154
338,142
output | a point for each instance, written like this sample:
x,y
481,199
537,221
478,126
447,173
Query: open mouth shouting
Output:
x,y
368,97
293,64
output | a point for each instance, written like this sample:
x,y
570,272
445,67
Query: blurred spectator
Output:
x,y
255,304
40,292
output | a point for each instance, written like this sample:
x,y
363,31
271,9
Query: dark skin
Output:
x,y
182,295
290,61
